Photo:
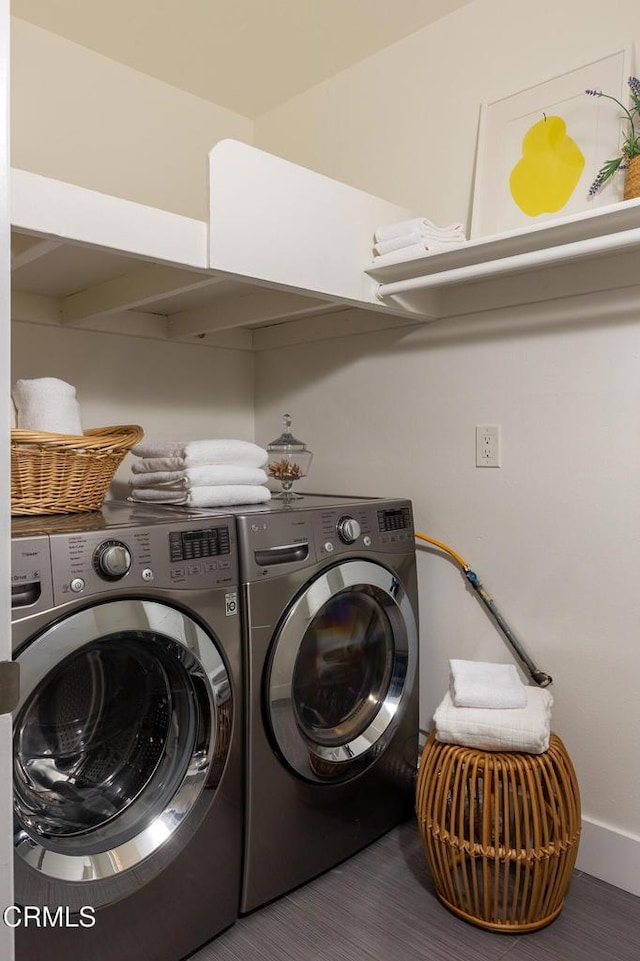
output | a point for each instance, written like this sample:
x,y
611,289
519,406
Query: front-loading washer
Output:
x,y
127,738
330,611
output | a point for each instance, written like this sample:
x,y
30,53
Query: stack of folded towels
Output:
x,y
199,473
409,239
489,708
46,404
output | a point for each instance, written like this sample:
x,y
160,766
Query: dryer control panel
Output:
x,y
369,528
274,543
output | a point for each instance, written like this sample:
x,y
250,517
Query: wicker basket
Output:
x,y
500,832
63,473
632,179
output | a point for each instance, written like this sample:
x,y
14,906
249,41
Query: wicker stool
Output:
x,y
500,832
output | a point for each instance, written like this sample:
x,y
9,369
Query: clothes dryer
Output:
x,y
127,738
330,614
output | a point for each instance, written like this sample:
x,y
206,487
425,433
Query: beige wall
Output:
x,y
403,124
79,117
551,533
180,391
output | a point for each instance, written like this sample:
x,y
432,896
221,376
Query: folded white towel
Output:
x,y
429,241
205,476
47,404
481,684
401,256
176,455
524,729
223,495
389,231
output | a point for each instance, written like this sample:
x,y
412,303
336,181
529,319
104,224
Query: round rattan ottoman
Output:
x,y
500,832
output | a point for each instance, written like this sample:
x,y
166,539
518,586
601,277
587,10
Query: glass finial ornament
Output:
x,y
289,460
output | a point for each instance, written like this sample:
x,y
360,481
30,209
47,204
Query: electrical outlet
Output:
x,y
488,446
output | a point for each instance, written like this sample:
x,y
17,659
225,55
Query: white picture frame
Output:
x,y
593,124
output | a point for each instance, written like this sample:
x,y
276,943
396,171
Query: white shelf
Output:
x,y
584,254
281,261
284,245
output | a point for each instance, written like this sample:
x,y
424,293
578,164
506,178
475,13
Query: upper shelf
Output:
x,y
281,260
283,244
586,253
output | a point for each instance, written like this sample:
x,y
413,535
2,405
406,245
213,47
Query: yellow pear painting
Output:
x,y
548,172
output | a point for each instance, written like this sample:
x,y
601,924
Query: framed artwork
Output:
x,y
540,150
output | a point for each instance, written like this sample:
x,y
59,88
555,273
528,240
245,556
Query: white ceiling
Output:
x,y
246,55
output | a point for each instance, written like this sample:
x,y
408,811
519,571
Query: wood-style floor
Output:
x,y
380,906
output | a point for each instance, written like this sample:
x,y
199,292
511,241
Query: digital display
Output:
x,y
189,545
394,520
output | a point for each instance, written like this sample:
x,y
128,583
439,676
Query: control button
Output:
x,y
112,560
348,529
147,574
77,585
328,547
366,540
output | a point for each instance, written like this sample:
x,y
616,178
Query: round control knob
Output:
x,y
348,529
112,560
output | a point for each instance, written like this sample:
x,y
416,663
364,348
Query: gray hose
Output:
x,y
540,678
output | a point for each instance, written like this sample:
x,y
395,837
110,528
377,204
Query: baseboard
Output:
x,y
609,855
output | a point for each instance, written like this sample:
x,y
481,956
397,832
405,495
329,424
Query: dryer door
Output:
x,y
341,671
124,718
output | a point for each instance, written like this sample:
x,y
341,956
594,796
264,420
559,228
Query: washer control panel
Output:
x,y
165,556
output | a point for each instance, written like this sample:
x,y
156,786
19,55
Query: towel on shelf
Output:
x,y
177,455
417,224
47,404
209,475
221,495
401,256
524,729
429,242
481,684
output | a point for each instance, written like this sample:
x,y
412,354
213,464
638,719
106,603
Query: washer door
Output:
x,y
341,670
125,715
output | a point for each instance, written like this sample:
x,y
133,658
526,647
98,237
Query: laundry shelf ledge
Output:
x,y
581,254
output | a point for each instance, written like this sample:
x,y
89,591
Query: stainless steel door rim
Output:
x,y
352,746
170,651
